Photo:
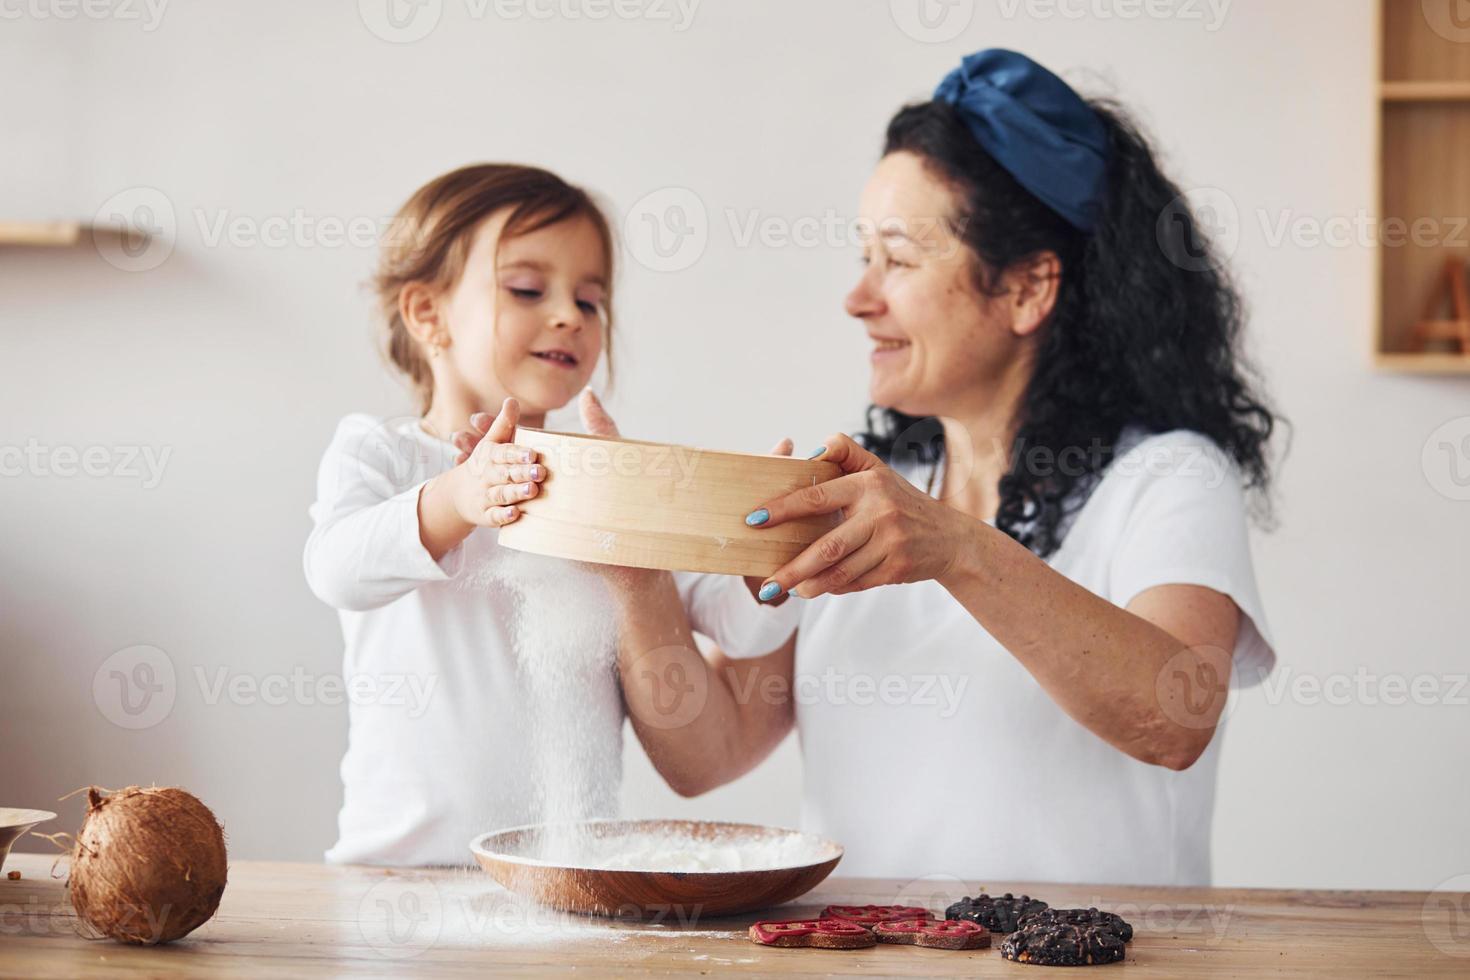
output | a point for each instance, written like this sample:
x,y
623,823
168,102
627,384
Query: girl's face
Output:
x,y
939,344
526,318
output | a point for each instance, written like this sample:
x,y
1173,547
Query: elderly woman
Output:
x,y
1052,497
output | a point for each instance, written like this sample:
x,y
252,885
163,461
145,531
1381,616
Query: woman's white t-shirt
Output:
x,y
440,718
929,750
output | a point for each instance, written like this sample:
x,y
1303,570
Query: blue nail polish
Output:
x,y
757,517
820,451
769,591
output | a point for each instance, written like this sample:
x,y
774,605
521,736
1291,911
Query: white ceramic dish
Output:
x,y
14,824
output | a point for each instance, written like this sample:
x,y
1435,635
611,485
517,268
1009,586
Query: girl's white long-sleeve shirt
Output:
x,y
440,718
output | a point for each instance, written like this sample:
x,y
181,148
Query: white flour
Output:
x,y
645,851
564,632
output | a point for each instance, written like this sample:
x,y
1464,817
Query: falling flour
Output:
x,y
564,634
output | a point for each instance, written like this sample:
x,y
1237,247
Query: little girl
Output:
x,y
495,286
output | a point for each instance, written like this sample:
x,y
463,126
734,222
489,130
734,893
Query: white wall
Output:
x,y
237,359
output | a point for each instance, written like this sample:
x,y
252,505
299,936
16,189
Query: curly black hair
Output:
x,y
1144,333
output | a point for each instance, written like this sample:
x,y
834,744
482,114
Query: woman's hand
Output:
x,y
494,475
891,532
754,582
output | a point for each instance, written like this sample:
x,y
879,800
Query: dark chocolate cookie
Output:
x,y
998,914
1082,917
1052,943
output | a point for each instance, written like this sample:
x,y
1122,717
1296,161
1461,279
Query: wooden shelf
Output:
x,y
55,234
60,234
1425,91
1423,122
1422,363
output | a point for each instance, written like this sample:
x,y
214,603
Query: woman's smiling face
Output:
x,y
938,341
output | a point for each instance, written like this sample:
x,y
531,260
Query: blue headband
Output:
x,y
1036,127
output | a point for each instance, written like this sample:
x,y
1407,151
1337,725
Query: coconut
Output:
x,y
149,864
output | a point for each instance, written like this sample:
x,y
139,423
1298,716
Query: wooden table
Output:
x,y
289,920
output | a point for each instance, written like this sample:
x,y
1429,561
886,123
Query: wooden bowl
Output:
x,y
654,505
15,823
508,856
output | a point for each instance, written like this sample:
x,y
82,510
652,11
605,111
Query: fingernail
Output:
x,y
527,456
526,489
535,472
757,517
820,451
769,591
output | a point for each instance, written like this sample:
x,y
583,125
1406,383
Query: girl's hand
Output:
x,y
594,419
891,532
495,475
498,475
